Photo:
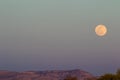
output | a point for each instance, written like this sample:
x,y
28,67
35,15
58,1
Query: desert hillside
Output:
x,y
46,75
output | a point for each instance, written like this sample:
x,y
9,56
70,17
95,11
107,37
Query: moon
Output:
x,y
101,30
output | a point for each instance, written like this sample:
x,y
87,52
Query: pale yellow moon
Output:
x,y
101,30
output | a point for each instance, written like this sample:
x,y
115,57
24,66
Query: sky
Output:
x,y
59,35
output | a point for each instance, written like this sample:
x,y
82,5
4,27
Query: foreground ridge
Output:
x,y
46,75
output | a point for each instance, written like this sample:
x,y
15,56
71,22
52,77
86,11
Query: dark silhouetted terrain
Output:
x,y
46,75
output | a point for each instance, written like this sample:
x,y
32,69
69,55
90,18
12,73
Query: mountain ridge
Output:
x,y
45,75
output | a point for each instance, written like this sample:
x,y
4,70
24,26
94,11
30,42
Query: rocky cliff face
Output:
x,y
45,75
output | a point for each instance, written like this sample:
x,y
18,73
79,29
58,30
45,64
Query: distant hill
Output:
x,y
46,75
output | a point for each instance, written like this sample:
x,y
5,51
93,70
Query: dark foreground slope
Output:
x,y
45,75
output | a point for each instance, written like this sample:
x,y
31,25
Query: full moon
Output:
x,y
101,30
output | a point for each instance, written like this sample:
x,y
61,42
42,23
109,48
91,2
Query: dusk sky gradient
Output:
x,y
59,34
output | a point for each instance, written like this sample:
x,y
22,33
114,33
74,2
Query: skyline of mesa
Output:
x,y
45,35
